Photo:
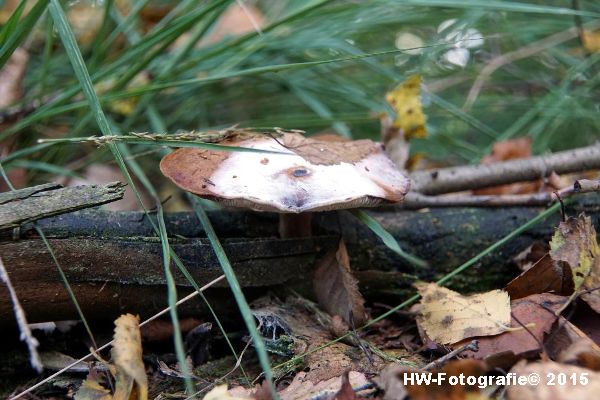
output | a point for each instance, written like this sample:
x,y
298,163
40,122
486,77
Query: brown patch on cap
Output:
x,y
191,169
325,151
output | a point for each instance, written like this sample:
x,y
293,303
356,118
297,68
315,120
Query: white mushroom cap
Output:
x,y
311,175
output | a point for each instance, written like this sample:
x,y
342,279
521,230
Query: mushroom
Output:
x,y
295,176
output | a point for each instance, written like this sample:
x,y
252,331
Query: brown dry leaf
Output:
x,y
127,357
570,345
336,288
531,255
303,388
545,276
568,391
537,313
510,150
574,243
448,317
392,378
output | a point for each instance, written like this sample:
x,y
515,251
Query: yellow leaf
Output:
x,y
591,41
405,99
91,389
448,317
574,243
127,357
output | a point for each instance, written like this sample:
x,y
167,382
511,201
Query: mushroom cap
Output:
x,y
309,175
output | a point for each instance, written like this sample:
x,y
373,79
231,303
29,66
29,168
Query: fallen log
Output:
x,y
113,260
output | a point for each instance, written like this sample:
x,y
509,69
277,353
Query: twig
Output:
x,y
473,345
155,316
416,200
26,336
456,179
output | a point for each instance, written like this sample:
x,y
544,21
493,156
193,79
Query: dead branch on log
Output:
x,y
30,204
456,179
415,200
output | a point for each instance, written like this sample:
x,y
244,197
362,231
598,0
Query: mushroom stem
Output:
x,y
295,225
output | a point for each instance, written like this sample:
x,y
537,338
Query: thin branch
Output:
x,y
26,336
456,179
416,200
473,345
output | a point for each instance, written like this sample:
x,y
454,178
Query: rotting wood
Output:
x,y
33,203
113,260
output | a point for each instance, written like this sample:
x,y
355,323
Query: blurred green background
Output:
x,y
491,70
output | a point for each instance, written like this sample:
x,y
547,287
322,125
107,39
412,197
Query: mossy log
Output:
x,y
113,260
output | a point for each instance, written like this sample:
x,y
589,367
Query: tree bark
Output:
x,y
113,260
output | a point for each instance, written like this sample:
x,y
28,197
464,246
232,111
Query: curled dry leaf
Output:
x,y
572,388
545,276
448,317
570,345
532,318
574,243
127,357
336,288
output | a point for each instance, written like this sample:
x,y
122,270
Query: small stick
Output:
x,y
26,336
417,200
473,345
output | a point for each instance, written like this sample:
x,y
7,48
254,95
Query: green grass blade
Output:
x,y
172,293
239,296
82,74
12,22
387,238
22,30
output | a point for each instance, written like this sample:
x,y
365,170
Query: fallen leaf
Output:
x,y
545,276
573,386
448,317
574,243
531,255
303,388
591,41
337,289
510,150
570,345
532,317
127,357
91,389
405,99
393,377
221,393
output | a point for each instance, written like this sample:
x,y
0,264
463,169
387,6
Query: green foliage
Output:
x,y
299,72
